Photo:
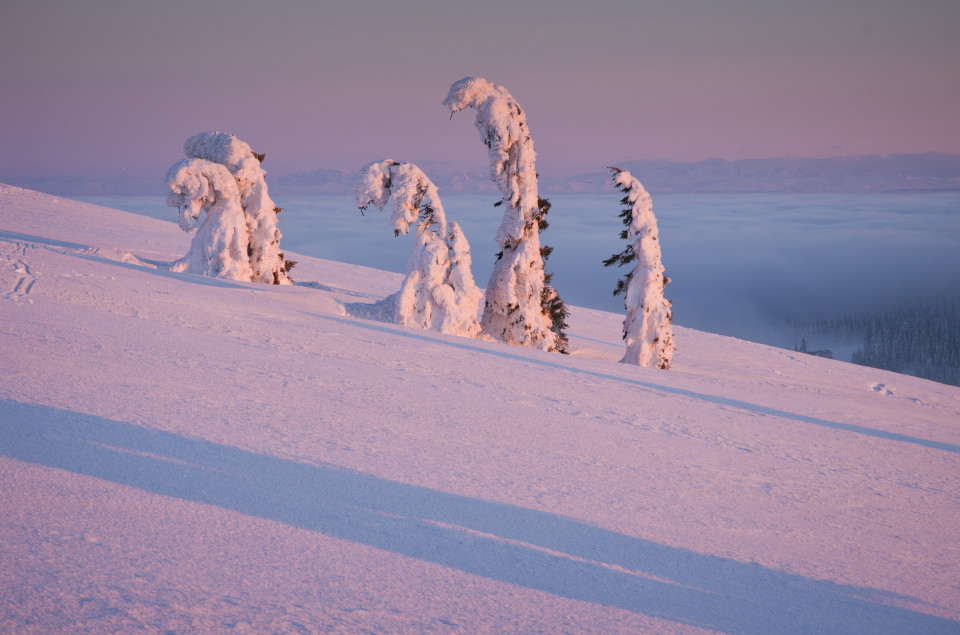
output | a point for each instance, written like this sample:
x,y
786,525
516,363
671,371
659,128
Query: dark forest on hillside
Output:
x,y
923,340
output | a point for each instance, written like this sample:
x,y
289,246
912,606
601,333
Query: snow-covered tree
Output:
x,y
521,306
202,188
439,292
647,328
266,261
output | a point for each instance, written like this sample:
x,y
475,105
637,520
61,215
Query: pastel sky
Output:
x,y
105,87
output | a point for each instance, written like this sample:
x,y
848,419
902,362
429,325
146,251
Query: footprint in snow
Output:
x,y
882,389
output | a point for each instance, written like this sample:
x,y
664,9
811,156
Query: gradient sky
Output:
x,y
105,87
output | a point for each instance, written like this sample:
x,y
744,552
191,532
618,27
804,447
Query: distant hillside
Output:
x,y
341,182
858,174
314,182
854,174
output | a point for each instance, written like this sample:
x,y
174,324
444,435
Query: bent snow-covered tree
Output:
x,y
647,329
266,261
521,306
203,188
439,292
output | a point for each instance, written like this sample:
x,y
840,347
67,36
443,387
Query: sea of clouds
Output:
x,y
741,264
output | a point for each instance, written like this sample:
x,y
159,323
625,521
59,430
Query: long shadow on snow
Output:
x,y
533,549
370,312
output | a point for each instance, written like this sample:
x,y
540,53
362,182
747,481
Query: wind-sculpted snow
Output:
x,y
503,128
222,148
515,310
191,454
439,292
647,328
219,249
411,189
265,260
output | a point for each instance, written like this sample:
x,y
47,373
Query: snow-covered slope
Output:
x,y
192,454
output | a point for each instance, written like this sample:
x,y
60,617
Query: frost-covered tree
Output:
x,y
521,306
439,292
647,328
202,188
266,261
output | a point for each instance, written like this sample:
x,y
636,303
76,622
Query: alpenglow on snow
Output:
x,y
647,328
216,249
521,306
439,292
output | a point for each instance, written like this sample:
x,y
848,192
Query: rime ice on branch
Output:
x,y
647,328
439,292
264,258
521,306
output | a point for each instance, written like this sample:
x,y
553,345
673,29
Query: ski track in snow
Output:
x,y
190,454
18,278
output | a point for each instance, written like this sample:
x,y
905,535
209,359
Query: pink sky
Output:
x,y
107,87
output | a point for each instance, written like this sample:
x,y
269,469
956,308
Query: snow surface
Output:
x,y
194,454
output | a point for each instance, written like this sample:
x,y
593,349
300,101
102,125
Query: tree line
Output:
x,y
921,340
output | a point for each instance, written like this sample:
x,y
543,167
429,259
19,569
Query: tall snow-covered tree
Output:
x,y
647,329
439,292
266,261
521,306
203,188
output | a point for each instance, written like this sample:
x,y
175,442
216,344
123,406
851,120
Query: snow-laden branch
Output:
x,y
503,128
220,147
412,191
439,292
647,328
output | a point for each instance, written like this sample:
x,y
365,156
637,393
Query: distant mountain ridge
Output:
x,y
327,181
930,171
851,174
322,181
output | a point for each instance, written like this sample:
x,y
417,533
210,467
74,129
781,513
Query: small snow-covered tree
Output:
x,y
266,261
647,328
521,306
439,292
219,249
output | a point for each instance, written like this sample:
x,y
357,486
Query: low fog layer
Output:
x,y
740,264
